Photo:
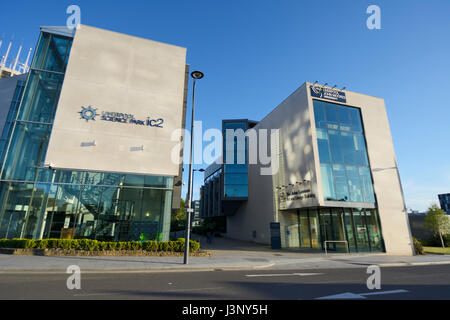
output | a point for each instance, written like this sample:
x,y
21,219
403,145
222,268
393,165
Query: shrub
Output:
x,y
94,245
418,248
150,246
194,246
103,246
112,246
136,245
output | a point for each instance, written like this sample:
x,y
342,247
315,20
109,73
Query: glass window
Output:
x,y
336,147
324,148
362,237
332,113
354,184
355,119
305,237
52,53
344,118
343,143
41,97
327,181
340,181
319,114
236,168
376,240
360,150
338,230
134,180
348,218
236,178
27,151
315,232
236,191
367,185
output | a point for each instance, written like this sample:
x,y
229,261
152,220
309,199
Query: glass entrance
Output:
x,y
305,235
362,236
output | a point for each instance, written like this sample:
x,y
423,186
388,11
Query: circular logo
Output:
x,y
88,113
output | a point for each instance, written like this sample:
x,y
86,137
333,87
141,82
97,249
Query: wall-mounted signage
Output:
x,y
328,93
90,113
296,194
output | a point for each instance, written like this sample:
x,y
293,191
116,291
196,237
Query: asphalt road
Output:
x,y
425,282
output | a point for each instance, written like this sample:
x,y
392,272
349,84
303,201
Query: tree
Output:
x,y
438,222
179,217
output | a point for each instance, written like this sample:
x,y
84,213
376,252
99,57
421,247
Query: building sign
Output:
x,y
90,113
329,94
294,194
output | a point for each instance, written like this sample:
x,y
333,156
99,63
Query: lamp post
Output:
x,y
196,75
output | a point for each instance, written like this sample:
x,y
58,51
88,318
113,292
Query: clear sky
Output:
x,y
255,53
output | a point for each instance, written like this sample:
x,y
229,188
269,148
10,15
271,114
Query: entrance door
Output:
x,y
326,230
339,230
305,237
362,236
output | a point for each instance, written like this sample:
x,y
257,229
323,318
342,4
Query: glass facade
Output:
x,y
38,202
344,163
444,199
235,160
12,114
359,228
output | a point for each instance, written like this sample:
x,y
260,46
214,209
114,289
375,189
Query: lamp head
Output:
x,y
197,75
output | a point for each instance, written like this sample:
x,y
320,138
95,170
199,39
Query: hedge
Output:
x,y
94,245
418,247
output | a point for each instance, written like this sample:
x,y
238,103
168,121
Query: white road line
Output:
x,y
283,275
354,296
384,292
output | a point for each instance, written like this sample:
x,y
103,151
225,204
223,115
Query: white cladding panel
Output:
x,y
113,72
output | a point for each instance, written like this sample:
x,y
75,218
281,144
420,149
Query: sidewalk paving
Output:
x,y
225,255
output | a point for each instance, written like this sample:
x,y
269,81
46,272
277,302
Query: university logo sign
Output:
x,y
329,94
90,114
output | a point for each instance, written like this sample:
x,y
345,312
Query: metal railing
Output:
x,y
346,242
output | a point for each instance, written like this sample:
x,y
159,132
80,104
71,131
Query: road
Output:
x,y
425,282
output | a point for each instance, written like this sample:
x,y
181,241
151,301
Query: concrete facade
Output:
x,y
298,155
112,72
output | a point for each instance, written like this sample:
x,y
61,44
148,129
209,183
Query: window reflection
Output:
x,y
343,154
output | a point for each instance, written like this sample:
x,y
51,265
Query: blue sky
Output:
x,y
255,53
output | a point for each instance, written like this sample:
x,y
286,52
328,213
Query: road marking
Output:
x,y
353,296
283,275
384,292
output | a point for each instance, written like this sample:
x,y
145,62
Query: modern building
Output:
x,y
444,199
88,136
333,180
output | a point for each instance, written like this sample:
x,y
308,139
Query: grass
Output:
x,y
437,250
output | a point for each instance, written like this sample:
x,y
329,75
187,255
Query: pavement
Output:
x,y
226,255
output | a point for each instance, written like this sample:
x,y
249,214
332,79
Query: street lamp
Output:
x,y
196,75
